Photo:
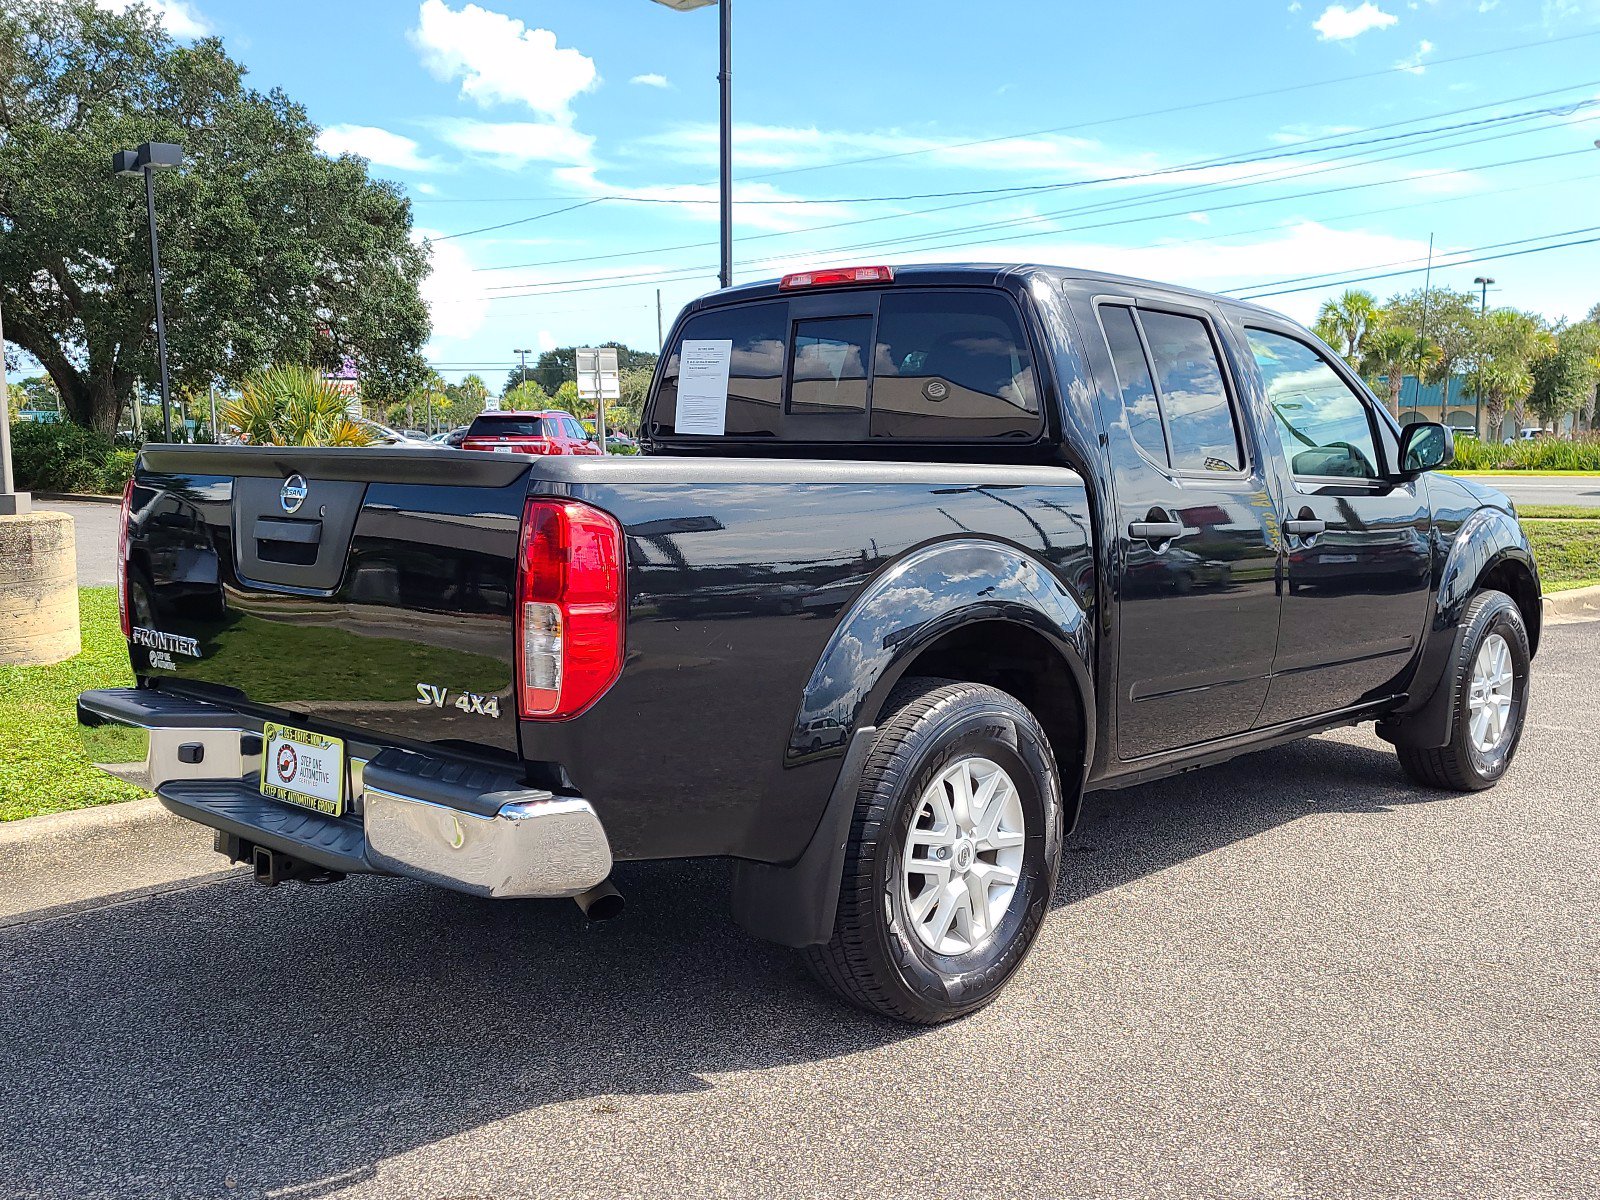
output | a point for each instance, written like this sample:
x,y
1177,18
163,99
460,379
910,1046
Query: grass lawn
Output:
x,y
1530,472
42,768
1568,552
1558,512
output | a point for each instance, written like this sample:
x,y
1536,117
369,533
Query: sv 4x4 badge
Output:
x,y
467,702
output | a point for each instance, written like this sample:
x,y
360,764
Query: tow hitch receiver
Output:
x,y
270,867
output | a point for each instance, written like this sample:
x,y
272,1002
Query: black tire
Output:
x,y
1459,766
874,959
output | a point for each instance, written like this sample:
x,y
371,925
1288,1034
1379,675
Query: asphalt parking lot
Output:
x,y
1289,976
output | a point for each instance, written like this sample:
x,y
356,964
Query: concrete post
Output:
x,y
38,589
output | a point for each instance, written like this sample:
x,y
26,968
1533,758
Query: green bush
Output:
x,y
1581,453
116,470
58,456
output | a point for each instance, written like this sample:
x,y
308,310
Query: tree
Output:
x,y
1508,343
527,397
271,251
1448,319
1391,351
566,399
291,406
557,366
1345,323
1565,373
625,412
36,393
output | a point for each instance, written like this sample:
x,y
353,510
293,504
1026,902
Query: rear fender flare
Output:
x,y
929,593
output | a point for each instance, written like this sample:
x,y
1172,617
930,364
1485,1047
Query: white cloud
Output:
x,y
378,146
452,292
1337,23
1413,64
545,341
178,16
651,80
512,145
499,60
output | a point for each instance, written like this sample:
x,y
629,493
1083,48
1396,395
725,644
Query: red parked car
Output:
x,y
529,433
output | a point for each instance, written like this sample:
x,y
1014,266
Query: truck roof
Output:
x,y
979,275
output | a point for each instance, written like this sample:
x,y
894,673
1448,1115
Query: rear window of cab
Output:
x,y
492,425
930,365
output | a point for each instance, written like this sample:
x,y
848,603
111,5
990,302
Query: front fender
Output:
x,y
1487,539
930,592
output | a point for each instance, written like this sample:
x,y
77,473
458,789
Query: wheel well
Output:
x,y
1516,581
1022,663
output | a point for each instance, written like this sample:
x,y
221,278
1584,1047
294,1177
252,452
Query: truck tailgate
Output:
x,y
336,585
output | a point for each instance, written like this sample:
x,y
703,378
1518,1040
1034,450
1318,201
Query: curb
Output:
x,y
79,497
1575,602
104,816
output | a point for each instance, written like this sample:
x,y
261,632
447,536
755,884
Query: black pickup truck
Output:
x,y
911,561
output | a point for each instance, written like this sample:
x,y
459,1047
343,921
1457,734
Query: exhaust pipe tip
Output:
x,y
602,902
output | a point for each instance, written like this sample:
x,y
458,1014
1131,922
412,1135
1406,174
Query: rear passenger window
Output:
x,y
952,366
830,365
915,364
1133,376
759,334
1200,421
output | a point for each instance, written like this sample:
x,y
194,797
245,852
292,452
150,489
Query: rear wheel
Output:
x,y
952,857
1489,681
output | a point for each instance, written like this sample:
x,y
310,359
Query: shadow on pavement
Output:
x,y
230,1041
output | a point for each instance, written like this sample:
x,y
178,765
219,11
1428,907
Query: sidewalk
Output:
x,y
98,857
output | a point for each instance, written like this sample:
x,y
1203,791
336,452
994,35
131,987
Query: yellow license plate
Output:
x,y
303,768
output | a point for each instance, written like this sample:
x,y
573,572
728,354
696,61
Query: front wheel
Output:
x,y
1489,681
952,858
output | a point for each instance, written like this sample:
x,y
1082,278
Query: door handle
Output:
x,y
1304,526
1154,531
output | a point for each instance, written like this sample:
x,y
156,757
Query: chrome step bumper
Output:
x,y
463,827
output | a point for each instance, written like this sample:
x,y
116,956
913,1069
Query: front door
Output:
x,y
1197,609
1356,549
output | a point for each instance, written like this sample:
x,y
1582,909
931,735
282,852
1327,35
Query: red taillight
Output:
x,y
122,561
569,608
835,276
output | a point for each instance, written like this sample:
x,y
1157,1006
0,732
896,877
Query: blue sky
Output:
x,y
506,110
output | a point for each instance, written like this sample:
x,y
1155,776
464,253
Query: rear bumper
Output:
x,y
461,827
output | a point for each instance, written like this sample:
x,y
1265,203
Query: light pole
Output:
x,y
146,160
725,138
1483,281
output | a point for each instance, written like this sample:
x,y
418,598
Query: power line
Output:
x,y
1309,146
1404,261
1460,262
510,291
1176,108
1271,175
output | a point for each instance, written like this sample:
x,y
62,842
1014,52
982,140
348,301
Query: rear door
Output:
x,y
1197,609
1357,554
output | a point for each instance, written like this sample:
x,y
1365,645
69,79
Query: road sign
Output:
x,y
597,374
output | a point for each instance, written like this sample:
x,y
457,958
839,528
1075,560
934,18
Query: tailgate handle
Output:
x,y
305,533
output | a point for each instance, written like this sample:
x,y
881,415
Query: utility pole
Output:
x,y
725,78
661,344
1427,294
1483,281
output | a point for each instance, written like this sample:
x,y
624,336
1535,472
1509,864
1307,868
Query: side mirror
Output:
x,y
1424,446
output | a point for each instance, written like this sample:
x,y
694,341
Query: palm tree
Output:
x,y
1508,342
1386,353
292,406
1347,322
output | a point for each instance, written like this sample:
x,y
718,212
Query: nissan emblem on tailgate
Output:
x,y
293,494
